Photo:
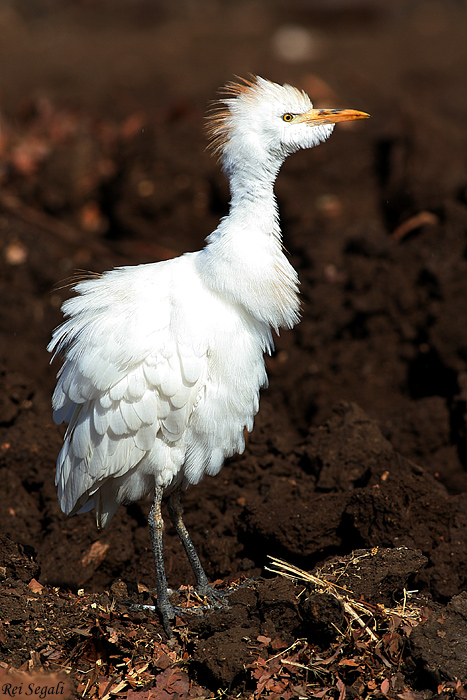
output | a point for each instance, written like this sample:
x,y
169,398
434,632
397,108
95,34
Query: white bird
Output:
x,y
164,362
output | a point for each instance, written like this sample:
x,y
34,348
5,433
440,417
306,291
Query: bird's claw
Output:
x,y
167,614
167,626
217,599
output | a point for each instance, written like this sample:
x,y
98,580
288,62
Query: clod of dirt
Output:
x,y
278,604
439,646
222,651
323,618
378,576
221,658
345,451
17,561
375,579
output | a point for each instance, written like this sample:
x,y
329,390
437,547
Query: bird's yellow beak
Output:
x,y
314,117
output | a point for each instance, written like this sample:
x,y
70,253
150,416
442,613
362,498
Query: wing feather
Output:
x,y
113,442
100,417
126,456
147,408
170,381
117,391
131,417
105,400
182,396
145,437
163,407
116,422
137,384
151,372
81,443
174,424
192,366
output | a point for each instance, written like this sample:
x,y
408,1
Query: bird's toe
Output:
x,y
167,613
218,599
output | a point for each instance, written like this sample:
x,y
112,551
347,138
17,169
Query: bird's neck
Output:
x,y
253,208
244,259
253,200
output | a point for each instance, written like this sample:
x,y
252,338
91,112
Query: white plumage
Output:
x,y
163,363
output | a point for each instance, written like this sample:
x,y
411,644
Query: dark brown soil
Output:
x,y
361,440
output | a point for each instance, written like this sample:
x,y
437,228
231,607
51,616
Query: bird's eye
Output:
x,y
287,117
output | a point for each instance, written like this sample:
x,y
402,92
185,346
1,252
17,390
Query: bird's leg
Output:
x,y
203,587
156,527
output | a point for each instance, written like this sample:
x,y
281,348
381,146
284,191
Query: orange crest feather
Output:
x,y
218,125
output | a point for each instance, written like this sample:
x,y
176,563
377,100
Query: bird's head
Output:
x,y
259,122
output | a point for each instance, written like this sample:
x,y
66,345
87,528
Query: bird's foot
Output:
x,y
212,598
167,613
217,599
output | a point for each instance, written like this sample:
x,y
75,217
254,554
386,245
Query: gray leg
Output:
x,y
203,586
156,526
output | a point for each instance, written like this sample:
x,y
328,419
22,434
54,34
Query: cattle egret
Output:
x,y
163,362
